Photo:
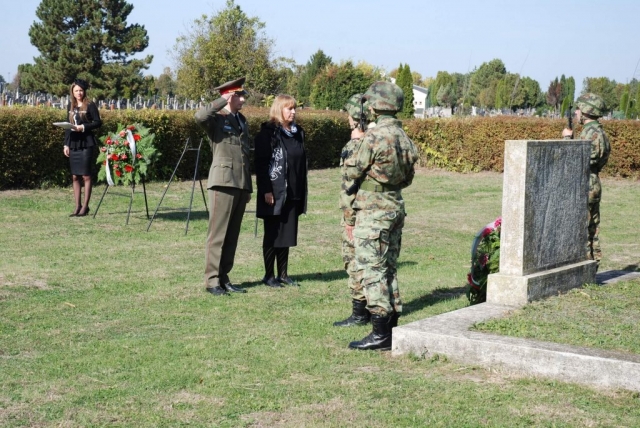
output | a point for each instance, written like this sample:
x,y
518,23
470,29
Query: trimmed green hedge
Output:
x,y
31,147
477,144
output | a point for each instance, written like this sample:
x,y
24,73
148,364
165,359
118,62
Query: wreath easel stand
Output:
x,y
133,189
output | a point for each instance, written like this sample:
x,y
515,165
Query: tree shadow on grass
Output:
x,y
436,296
334,275
180,214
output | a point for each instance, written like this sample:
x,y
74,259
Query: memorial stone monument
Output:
x,y
544,221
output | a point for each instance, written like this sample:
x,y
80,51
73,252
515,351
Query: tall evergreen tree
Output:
x,y
406,84
89,39
314,66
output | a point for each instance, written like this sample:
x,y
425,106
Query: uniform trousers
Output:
x,y
594,251
378,237
225,218
349,259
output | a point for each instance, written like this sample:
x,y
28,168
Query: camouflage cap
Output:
x,y
234,86
353,106
385,96
591,104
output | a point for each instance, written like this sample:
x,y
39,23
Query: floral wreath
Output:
x,y
126,155
485,259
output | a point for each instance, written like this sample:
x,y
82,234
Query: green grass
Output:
x,y
103,324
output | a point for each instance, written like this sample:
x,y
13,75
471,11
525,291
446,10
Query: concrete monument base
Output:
x,y
516,290
448,334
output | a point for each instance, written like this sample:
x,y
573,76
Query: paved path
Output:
x,y
449,334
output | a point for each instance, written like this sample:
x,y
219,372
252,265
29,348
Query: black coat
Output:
x,y
91,120
271,169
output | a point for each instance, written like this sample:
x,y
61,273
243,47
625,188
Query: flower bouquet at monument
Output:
x,y
485,259
125,155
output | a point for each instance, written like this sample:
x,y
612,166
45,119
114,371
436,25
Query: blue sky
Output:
x,y
541,39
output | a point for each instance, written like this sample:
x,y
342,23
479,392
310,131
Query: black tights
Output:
x,y
270,255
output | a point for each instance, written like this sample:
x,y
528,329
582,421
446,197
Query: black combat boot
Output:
x,y
379,338
359,316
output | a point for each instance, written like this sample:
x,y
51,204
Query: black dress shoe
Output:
x,y
75,213
232,288
217,291
288,281
83,213
272,282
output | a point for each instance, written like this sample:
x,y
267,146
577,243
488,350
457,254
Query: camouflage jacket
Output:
x,y
600,146
346,201
386,156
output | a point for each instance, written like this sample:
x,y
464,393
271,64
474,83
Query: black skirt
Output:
x,y
82,161
282,231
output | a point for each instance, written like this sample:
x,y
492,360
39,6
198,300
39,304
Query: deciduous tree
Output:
x,y
336,83
604,87
224,47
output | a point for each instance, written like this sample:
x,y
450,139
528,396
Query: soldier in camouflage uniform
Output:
x,y
384,164
589,107
360,315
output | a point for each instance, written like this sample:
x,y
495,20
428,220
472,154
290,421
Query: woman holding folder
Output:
x,y
80,144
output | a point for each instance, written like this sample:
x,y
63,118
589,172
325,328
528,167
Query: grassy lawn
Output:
x,y
103,324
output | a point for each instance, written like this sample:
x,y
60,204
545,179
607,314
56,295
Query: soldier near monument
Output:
x,y
590,107
359,315
383,164
229,183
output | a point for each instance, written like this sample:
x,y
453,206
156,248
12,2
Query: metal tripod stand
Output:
x,y
187,148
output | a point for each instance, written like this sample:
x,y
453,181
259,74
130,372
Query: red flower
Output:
x,y
498,222
128,168
123,156
103,149
486,231
136,137
114,157
484,259
131,127
123,133
108,141
118,173
138,156
126,143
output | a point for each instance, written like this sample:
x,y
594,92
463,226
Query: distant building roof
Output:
x,y
420,89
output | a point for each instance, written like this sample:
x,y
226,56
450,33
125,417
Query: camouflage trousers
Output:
x,y
377,237
349,259
594,252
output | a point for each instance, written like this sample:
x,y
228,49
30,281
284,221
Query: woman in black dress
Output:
x,y
80,144
281,176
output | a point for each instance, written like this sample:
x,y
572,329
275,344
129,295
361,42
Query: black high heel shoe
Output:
x,y
82,214
76,212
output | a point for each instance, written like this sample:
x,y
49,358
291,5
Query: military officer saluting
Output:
x,y
229,183
383,164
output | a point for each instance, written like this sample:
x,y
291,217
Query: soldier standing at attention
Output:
x,y
384,164
590,107
229,183
359,315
